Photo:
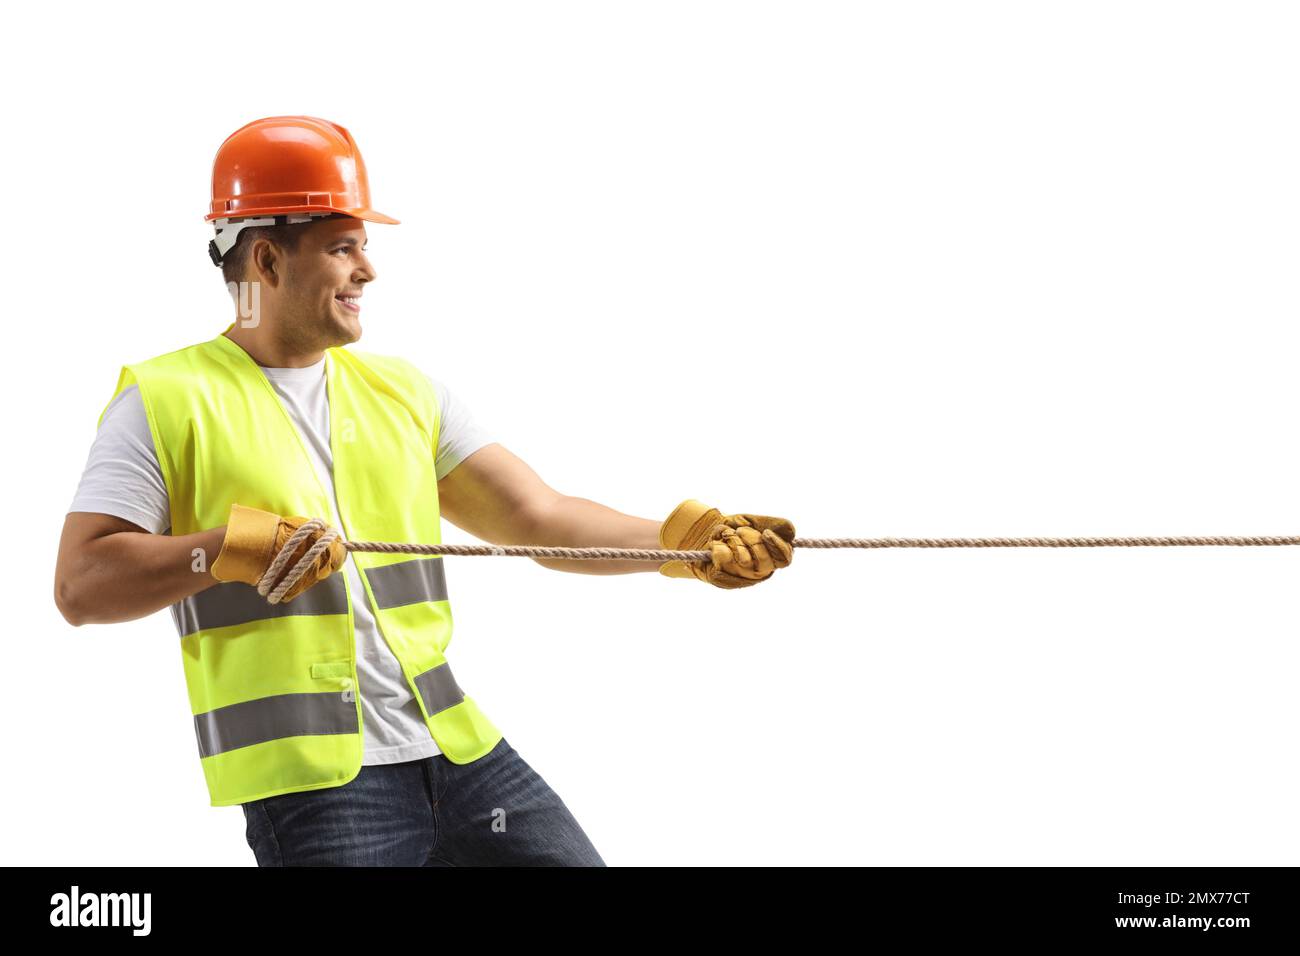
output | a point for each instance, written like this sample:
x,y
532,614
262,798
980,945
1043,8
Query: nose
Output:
x,y
365,271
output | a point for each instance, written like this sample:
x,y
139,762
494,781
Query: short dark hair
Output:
x,y
286,235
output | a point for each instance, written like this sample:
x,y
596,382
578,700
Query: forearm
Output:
x,y
130,574
580,523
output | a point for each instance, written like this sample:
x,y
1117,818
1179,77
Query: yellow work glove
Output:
x,y
745,548
255,537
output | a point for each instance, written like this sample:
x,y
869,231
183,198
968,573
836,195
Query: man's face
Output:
x,y
328,267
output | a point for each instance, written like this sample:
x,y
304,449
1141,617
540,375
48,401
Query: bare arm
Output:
x,y
497,497
111,570
580,523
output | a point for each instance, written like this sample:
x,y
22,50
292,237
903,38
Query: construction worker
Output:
x,y
331,715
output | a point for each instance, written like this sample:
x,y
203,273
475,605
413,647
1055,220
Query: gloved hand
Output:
x,y
745,548
255,537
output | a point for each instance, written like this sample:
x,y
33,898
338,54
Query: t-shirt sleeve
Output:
x,y
122,475
459,434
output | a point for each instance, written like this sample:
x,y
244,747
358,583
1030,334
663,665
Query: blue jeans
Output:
x,y
496,811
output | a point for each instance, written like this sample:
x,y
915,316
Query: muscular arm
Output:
x,y
110,570
497,497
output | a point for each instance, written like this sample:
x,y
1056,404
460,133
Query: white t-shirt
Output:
x,y
123,478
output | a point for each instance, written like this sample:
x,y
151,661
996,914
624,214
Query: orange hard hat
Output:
x,y
286,169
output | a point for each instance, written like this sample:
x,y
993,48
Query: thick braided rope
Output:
x,y
304,531
638,554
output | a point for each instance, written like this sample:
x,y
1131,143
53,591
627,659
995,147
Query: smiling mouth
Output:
x,y
352,304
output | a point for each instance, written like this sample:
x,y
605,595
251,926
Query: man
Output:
x,y
331,715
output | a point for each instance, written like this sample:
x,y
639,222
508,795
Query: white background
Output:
x,y
923,269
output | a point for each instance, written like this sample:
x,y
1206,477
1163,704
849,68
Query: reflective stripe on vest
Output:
x,y
290,715
438,689
233,602
396,585
270,718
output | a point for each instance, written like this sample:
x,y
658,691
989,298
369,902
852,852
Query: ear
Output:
x,y
267,262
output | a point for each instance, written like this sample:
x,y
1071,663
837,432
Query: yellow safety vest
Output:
x,y
272,687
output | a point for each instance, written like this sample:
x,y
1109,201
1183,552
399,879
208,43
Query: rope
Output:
x,y
633,554
637,554
305,530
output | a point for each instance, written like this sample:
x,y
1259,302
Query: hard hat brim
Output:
x,y
369,215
